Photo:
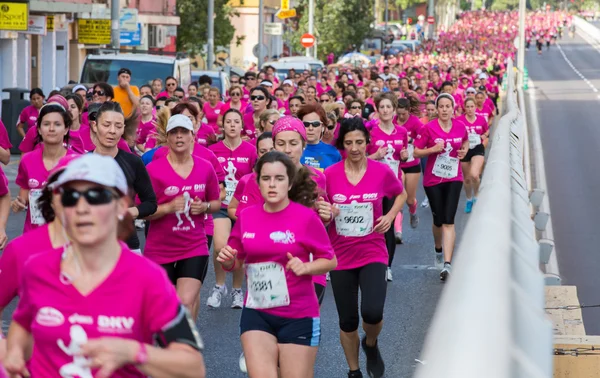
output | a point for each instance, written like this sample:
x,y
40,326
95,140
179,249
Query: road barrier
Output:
x,y
490,321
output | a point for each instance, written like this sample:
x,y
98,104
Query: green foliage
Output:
x,y
500,5
405,4
339,24
192,32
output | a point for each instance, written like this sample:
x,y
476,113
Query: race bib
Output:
x,y
411,153
445,167
393,164
474,140
355,219
267,286
229,191
35,214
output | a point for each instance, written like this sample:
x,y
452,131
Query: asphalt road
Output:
x,y
568,118
411,302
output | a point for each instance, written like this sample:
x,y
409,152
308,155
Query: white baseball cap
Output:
x,y
483,76
97,169
179,120
478,71
288,82
471,90
79,87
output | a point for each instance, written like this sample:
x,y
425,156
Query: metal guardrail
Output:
x,y
490,321
586,27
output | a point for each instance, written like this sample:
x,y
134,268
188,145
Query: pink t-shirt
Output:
x,y
241,186
236,164
205,134
180,236
136,301
14,257
395,142
212,114
32,176
478,126
430,134
86,137
29,117
4,143
242,107
486,111
248,128
259,237
378,181
412,125
76,142
144,129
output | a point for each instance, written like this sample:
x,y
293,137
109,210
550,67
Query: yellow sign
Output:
x,y
14,16
50,23
283,14
93,32
285,5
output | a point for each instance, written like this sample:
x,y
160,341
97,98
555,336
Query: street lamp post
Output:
x,y
115,34
210,56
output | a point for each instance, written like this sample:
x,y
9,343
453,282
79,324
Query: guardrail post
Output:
x,y
536,197
546,248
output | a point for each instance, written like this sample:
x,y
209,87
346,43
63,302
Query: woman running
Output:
x,y
146,126
280,322
53,131
187,189
29,115
317,154
472,164
94,274
444,141
358,185
261,100
388,144
237,158
212,109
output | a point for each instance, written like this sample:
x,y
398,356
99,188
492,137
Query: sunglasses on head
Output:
x,y
259,98
99,93
93,196
314,124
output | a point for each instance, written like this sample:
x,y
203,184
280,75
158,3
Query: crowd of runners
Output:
x,y
289,186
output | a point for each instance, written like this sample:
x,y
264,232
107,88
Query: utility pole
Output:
x,y
311,22
210,54
521,50
386,18
261,32
431,13
115,15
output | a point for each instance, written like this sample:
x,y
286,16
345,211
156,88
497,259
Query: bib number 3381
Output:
x,y
445,167
267,286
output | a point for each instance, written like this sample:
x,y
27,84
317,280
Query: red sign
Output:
x,y
307,40
431,20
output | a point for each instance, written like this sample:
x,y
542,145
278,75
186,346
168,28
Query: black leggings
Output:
x,y
371,279
390,236
443,200
320,291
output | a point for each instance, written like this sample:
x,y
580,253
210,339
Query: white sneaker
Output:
x,y
214,300
140,224
425,202
389,276
439,260
243,367
238,298
327,277
446,271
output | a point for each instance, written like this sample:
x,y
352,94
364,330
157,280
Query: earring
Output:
x,y
120,217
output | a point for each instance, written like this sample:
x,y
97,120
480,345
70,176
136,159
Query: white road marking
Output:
x,y
589,83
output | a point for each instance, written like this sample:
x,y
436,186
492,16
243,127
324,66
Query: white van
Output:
x,y
315,64
144,68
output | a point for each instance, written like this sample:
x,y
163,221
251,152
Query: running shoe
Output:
x,y
469,206
413,208
446,271
327,277
398,237
139,224
425,203
375,365
242,361
414,220
439,260
214,300
355,374
389,276
238,298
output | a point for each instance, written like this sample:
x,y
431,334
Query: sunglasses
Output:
x,y
255,98
331,127
180,97
325,99
355,107
171,84
314,124
235,94
235,82
93,196
99,93
250,78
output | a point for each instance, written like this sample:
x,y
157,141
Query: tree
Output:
x,y
192,31
339,25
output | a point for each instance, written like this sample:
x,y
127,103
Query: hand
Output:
x,y
3,238
335,210
439,147
383,224
198,207
380,154
296,265
324,210
462,152
18,204
123,83
227,257
404,154
14,363
109,354
177,204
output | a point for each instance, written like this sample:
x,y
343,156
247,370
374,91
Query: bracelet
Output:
x,y
232,267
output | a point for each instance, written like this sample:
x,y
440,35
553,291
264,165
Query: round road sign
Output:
x,y
430,20
307,40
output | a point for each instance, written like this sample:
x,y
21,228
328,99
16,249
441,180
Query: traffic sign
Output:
x,y
257,52
273,28
128,38
283,14
285,5
307,40
14,16
431,20
36,25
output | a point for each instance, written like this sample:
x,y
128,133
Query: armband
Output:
x,y
182,330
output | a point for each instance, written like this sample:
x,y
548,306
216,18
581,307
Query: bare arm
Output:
x,y
20,129
4,156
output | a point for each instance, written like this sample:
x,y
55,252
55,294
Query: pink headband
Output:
x,y
289,123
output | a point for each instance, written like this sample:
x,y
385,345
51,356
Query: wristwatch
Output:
x,y
207,207
142,355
